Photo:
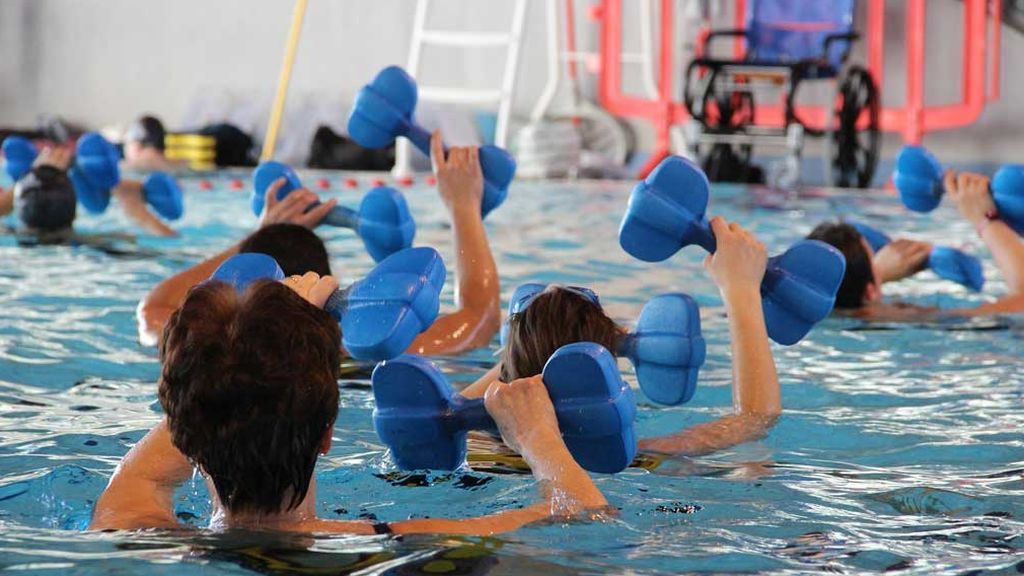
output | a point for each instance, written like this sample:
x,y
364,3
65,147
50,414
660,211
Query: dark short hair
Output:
x,y
249,386
297,249
556,317
148,131
859,273
44,199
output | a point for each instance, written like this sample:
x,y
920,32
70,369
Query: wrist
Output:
x,y
541,445
464,210
739,293
982,224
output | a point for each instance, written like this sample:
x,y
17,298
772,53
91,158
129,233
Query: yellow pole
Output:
x,y
282,81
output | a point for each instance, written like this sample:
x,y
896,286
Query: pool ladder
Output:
x,y
502,97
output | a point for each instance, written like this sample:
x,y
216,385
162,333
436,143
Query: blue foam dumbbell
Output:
x,y
383,110
19,154
383,220
666,212
424,422
918,178
381,314
947,263
95,172
666,347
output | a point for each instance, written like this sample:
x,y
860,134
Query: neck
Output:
x,y
223,518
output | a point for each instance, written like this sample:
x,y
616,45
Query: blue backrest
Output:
x,y
794,30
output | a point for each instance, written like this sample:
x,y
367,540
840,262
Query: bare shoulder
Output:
x,y
120,520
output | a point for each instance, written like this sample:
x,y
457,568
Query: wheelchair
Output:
x,y
788,42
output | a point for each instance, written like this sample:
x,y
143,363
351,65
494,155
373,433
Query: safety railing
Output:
x,y
912,119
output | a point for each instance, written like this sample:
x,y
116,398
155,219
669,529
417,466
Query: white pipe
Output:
x,y
554,65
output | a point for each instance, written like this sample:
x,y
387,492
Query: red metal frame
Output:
x,y
912,120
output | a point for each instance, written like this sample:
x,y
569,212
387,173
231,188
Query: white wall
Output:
x,y
105,62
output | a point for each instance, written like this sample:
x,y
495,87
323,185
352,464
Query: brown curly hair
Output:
x,y
249,386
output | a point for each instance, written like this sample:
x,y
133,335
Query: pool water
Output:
x,y
900,448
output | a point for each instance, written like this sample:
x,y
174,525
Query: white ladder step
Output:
x,y
459,38
459,95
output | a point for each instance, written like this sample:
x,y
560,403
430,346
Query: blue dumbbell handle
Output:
x,y
470,414
337,303
341,217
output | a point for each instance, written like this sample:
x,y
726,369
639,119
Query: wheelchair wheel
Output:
x,y
729,113
854,152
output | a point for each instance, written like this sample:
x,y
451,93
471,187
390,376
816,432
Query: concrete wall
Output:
x,y
105,62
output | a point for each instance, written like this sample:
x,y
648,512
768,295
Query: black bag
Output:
x,y
335,152
234,147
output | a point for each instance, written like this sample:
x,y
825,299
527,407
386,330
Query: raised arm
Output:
x,y
157,306
971,194
141,490
6,201
526,419
478,291
737,267
131,197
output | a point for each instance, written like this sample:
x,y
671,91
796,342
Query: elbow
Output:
x,y
760,421
151,319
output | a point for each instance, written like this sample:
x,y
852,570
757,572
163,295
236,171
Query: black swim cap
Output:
x,y
148,131
44,200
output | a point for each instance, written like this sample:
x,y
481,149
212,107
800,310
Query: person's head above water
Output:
x,y
297,249
860,285
146,132
249,386
556,317
45,201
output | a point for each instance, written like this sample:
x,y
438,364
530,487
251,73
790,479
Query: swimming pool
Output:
x,y
900,448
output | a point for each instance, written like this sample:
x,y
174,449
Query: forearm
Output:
x,y
755,387
1008,252
479,388
477,293
563,481
481,526
157,306
141,491
567,491
6,202
135,208
713,436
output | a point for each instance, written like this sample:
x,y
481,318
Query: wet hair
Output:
x,y
556,317
297,249
859,273
44,200
147,131
249,386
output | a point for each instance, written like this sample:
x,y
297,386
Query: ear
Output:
x,y
872,292
325,441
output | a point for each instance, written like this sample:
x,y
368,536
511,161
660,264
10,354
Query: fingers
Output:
x,y
270,196
719,226
312,288
321,290
294,205
949,182
437,151
316,215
